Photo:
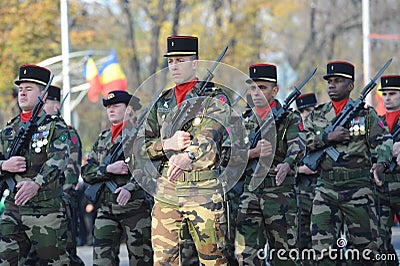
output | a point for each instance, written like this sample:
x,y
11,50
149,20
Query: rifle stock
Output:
x,y
23,138
312,159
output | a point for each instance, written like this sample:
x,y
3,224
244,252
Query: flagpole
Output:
x,y
366,47
65,60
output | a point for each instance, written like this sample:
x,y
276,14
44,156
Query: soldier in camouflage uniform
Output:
x,y
33,230
271,207
72,173
127,209
389,190
306,181
344,188
189,191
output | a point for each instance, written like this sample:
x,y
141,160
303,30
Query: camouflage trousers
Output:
x,y
71,205
134,224
351,200
266,214
38,239
206,223
388,202
305,197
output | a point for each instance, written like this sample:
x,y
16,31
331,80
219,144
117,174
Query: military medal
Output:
x,y
39,144
362,126
197,121
38,150
45,141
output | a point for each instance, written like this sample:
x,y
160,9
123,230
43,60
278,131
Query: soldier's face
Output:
x,y
51,106
305,112
116,112
264,93
28,93
182,68
339,88
391,100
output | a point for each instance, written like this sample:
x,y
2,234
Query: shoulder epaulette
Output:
x,y
164,92
103,132
9,122
247,113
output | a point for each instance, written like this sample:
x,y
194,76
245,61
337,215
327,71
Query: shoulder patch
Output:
x,y
222,98
301,127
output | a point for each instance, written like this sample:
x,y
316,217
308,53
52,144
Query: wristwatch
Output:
x,y
191,155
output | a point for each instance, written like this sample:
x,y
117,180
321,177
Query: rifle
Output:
x,y
93,191
396,137
179,120
312,159
278,117
21,141
200,86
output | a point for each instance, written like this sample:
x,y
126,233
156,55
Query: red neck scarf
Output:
x,y
339,105
262,112
182,89
116,130
26,116
391,118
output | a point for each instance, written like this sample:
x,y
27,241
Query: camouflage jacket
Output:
x,y
94,169
206,127
290,140
396,127
369,141
46,158
73,170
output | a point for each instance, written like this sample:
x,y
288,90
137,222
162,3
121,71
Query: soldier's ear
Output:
x,y
351,86
275,90
195,64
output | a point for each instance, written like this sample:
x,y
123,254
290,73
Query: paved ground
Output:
x,y
85,253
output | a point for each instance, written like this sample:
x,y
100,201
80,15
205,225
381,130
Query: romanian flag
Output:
x,y
91,75
112,76
380,108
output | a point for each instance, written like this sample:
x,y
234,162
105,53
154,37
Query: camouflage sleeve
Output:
x,y
313,135
295,140
92,171
153,144
57,156
207,136
380,139
73,170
